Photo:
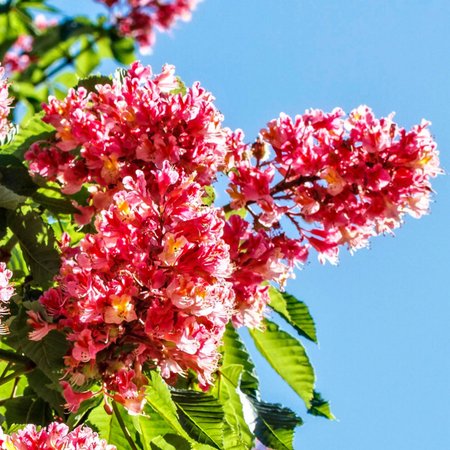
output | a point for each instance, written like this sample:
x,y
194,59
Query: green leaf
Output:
x,y
159,398
108,426
15,177
288,357
37,243
54,201
122,48
34,130
89,83
27,409
47,353
209,196
234,352
320,407
88,58
169,442
47,390
275,425
9,199
295,312
236,433
201,415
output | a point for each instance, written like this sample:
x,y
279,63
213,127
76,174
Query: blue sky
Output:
x,y
382,314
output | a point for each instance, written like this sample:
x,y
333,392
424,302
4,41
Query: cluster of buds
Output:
x,y
339,180
140,19
55,436
6,292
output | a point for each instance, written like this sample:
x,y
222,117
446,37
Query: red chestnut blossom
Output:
x,y
5,108
338,180
140,19
55,436
136,122
6,292
149,290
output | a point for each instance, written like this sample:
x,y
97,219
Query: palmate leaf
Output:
x,y
234,352
237,434
288,357
295,312
37,243
275,425
201,415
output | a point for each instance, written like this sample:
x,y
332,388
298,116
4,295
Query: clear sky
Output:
x,y
382,314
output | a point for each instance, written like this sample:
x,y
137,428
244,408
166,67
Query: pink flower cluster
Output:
x,y
5,106
55,436
139,120
148,290
140,19
6,292
339,180
18,58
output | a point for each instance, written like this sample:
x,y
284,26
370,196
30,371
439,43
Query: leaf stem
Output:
x,y
16,374
123,426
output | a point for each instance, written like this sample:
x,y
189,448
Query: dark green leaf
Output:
x,y
9,199
320,407
295,312
169,442
288,357
122,48
47,390
27,409
37,243
88,58
234,352
275,425
89,83
201,415
54,201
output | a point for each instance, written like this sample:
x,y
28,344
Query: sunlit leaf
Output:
x,y
201,415
288,357
234,352
295,312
